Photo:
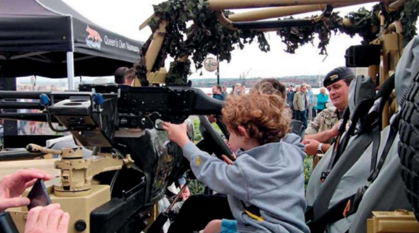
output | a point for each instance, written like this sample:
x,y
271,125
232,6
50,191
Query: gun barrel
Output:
x,y
22,94
41,117
19,105
36,94
18,155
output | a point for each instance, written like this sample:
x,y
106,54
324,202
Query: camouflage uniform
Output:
x,y
325,120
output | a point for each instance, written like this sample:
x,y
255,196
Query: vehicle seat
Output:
x,y
319,194
297,127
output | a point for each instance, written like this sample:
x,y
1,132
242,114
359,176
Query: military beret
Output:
x,y
337,74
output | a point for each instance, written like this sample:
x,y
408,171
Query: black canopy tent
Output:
x,y
49,38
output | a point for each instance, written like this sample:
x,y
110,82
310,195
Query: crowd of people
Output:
x,y
220,92
304,104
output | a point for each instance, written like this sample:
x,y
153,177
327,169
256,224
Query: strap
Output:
x,y
343,209
340,145
376,140
253,212
335,213
375,170
360,112
335,155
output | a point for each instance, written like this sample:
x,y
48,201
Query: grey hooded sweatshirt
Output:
x,y
269,177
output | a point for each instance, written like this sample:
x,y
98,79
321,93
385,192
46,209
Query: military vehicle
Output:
x,y
116,188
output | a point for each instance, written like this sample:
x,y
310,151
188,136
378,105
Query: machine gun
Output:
x,y
122,124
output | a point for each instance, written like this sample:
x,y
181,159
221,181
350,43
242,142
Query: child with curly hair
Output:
x,y
265,184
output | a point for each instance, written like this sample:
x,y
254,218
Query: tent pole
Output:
x,y
70,70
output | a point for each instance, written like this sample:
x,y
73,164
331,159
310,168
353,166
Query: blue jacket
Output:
x,y
310,97
290,98
218,96
321,101
269,177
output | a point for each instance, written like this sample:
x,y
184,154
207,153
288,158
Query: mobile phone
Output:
x,y
38,195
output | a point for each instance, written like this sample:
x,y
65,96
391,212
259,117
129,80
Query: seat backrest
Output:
x,y
357,177
297,127
385,194
314,184
353,151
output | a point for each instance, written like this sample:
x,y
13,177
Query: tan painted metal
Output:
x,y
79,207
399,221
77,173
276,12
76,193
37,148
155,46
158,77
47,165
242,4
136,82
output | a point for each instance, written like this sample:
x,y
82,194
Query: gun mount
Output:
x,y
121,123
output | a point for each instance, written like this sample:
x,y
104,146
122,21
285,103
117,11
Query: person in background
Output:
x,y
242,90
273,86
290,99
310,103
301,104
236,89
49,219
315,107
120,75
224,92
130,76
322,99
290,95
295,116
217,92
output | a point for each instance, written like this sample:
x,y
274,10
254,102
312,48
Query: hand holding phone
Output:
x,y
12,186
38,195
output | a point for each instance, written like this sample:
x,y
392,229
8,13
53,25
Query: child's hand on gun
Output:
x,y
176,133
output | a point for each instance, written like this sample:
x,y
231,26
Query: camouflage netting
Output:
x,y
206,36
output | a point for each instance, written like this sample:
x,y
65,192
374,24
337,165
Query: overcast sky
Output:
x,y
125,16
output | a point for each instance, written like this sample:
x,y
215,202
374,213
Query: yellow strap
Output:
x,y
255,217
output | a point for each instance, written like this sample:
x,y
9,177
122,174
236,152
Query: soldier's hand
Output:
x,y
334,131
311,146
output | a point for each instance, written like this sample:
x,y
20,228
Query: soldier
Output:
x,y
321,130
